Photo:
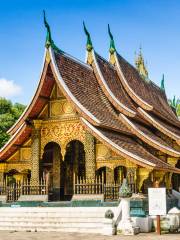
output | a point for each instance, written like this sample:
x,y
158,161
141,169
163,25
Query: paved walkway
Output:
x,y
7,235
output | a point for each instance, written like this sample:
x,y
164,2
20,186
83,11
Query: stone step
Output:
x,y
54,214
54,209
78,219
51,219
52,229
49,224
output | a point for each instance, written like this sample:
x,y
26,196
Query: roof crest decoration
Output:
x,y
140,65
49,41
89,45
162,83
112,47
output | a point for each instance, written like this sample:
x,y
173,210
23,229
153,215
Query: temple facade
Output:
x,y
96,119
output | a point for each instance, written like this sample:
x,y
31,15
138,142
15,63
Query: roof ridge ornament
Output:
x,y
112,48
49,41
89,45
140,65
162,83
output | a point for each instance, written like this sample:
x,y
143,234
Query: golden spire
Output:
x,y
140,65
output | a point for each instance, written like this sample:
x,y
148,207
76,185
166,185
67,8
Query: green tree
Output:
x,y
9,113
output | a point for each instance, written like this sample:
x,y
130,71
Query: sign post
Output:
x,y
157,204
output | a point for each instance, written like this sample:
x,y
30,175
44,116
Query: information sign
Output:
x,y
157,201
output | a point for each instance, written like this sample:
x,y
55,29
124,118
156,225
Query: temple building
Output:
x,y
96,119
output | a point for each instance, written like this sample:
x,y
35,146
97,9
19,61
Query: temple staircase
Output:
x,y
61,219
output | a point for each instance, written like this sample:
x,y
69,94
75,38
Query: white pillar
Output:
x,y
126,226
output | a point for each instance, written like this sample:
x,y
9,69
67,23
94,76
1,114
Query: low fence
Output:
x,y
97,186
14,190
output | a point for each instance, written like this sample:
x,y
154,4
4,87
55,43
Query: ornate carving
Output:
x,y
112,164
67,108
158,175
61,108
56,108
172,160
61,133
90,156
37,124
1,178
102,151
143,174
35,156
25,154
19,167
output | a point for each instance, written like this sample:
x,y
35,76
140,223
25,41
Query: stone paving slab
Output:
x,y
9,235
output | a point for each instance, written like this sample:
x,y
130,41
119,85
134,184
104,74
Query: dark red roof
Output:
x,y
149,92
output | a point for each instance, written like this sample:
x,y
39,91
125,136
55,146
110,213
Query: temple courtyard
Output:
x,y
8,235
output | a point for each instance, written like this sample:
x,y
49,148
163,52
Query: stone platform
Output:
x,y
10,235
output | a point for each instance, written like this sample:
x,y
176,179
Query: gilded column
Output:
x,y
109,175
90,163
2,168
1,178
36,140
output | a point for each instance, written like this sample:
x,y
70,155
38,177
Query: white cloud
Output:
x,y
8,88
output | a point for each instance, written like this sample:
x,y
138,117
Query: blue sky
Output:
x,y
155,24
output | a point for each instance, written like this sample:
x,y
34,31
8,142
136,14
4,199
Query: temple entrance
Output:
x,y
60,174
50,169
73,165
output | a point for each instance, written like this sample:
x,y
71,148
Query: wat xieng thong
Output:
x,y
89,125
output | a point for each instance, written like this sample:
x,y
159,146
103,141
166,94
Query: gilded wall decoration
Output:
x,y
110,163
19,167
25,154
102,151
67,108
56,108
61,133
61,108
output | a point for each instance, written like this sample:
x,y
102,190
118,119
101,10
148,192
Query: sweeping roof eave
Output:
x,y
147,95
128,148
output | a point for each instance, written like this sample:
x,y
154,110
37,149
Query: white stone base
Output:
x,y
128,228
33,198
144,223
3,198
79,197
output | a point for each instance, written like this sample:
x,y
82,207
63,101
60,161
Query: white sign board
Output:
x,y
157,201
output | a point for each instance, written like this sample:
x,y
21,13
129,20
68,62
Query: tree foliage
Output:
x,y
9,113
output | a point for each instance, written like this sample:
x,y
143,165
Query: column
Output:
x,y
56,171
109,175
36,140
90,163
1,178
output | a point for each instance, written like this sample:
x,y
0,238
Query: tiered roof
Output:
x,y
114,102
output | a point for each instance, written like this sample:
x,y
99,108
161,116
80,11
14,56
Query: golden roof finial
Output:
x,y
140,65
